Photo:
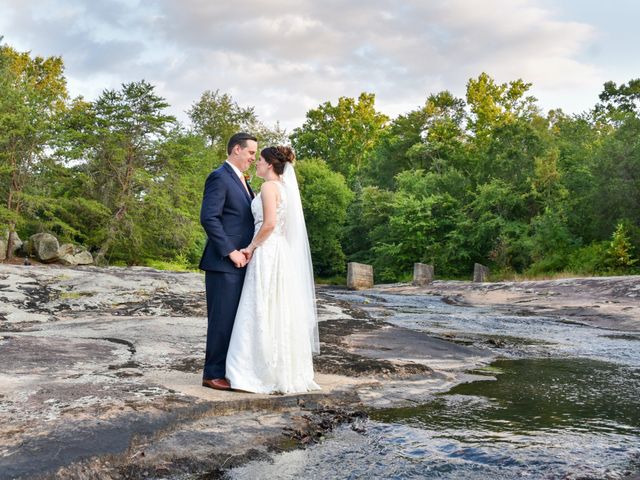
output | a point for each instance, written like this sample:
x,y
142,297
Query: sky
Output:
x,y
285,57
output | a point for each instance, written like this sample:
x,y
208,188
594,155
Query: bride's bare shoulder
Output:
x,y
269,188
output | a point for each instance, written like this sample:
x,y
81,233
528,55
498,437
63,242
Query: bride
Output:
x,y
276,329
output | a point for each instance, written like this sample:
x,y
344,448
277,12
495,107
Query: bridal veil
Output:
x,y
304,296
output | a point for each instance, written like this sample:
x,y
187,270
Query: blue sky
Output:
x,y
284,57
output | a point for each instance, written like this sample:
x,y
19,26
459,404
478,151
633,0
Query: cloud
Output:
x,y
287,56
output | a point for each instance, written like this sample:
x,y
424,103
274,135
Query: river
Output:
x,y
562,400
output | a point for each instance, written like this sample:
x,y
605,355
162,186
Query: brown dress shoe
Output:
x,y
216,383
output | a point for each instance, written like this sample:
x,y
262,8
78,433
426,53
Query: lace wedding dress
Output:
x,y
270,349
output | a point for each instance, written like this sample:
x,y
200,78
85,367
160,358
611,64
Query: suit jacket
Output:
x,y
226,218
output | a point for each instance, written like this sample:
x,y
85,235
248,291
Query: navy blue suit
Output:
x,y
227,219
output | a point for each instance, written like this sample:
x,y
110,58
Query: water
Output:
x,y
553,408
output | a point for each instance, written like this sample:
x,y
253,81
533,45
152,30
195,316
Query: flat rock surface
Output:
x,y
605,302
101,368
101,371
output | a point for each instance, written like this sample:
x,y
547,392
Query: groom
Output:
x,y
226,218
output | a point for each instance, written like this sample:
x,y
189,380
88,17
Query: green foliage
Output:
x,y
414,234
367,218
620,252
343,135
325,197
623,98
32,95
216,116
551,242
615,172
589,260
430,138
455,181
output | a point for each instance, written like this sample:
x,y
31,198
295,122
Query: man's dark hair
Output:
x,y
239,139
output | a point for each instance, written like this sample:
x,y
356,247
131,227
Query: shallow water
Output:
x,y
564,403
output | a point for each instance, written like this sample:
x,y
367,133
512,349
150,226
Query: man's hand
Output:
x,y
238,259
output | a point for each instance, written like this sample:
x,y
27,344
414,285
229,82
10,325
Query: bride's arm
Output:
x,y
269,195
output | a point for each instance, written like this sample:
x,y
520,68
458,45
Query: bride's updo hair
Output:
x,y
278,157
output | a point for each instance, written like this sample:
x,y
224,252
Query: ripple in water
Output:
x,y
540,418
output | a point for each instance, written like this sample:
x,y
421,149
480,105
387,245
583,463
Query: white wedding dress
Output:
x,y
270,349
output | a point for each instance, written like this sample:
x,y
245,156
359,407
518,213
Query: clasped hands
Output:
x,y
240,258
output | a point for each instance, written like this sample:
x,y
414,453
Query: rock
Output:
x,y
359,275
44,246
66,249
17,243
83,258
71,255
3,249
480,273
422,273
67,259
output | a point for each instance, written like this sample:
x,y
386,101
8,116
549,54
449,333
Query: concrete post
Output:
x,y
359,275
422,273
480,273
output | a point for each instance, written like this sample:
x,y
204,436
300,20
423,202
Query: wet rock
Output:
x,y
312,427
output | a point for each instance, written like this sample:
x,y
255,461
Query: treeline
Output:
x,y
488,178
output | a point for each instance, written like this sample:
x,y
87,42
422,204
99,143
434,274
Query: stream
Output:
x,y
561,401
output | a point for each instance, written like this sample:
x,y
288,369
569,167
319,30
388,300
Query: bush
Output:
x,y
589,260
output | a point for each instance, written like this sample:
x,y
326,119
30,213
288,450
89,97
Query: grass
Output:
x,y
171,266
527,276
74,295
335,280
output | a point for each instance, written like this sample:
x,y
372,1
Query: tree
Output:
x,y
325,197
624,98
367,218
431,137
217,116
615,173
494,104
169,212
344,135
620,251
119,139
32,93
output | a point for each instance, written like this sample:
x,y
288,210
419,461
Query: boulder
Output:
x,y
16,242
422,273
71,255
67,259
83,258
359,275
44,247
3,249
66,249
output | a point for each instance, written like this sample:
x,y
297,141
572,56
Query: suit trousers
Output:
x,y
223,291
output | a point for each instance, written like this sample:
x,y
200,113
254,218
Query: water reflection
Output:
x,y
572,412
535,396
540,418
